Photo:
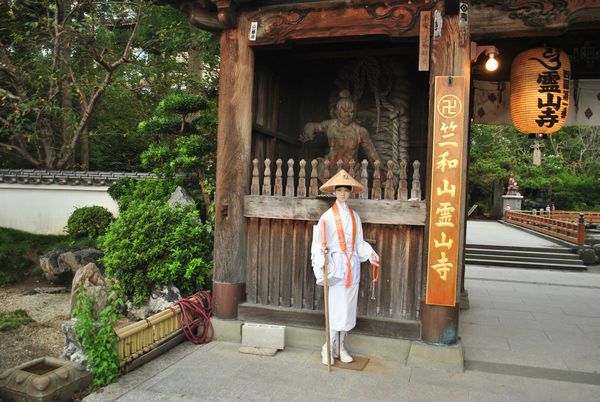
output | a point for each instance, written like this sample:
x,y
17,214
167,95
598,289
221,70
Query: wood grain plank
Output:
x,y
275,262
298,263
264,227
287,244
308,282
252,269
396,270
416,267
392,212
384,285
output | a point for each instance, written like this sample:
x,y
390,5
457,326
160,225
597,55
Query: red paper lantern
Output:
x,y
539,90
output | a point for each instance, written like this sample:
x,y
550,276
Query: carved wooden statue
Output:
x,y
344,135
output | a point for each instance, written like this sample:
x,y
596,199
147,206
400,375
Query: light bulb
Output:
x,y
492,63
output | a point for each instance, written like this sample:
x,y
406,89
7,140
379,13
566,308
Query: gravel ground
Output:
x,y
43,337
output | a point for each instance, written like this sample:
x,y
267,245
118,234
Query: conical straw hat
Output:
x,y
342,178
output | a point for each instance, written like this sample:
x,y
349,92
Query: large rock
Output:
x,y
59,265
72,350
76,259
159,300
588,256
180,198
596,248
52,269
95,285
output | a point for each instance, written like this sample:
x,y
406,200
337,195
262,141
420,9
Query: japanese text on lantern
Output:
x,y
553,89
447,154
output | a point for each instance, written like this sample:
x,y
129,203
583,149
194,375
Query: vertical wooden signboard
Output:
x,y
444,210
424,40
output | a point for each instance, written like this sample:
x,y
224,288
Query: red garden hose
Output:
x,y
195,313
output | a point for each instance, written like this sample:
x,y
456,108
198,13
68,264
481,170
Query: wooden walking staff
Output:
x,y
326,293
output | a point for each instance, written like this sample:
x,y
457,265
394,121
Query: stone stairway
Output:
x,y
523,257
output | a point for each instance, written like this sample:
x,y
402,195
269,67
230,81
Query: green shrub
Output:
x,y
89,222
152,245
20,250
13,319
99,341
14,264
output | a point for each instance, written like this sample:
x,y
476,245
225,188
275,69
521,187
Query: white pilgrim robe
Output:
x,y
342,300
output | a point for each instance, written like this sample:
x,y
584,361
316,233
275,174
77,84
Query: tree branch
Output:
x,y
127,50
22,152
10,69
8,94
67,149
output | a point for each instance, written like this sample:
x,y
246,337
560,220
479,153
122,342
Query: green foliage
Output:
x,y
13,319
98,340
181,104
184,131
19,250
152,245
127,192
568,176
49,79
58,61
89,222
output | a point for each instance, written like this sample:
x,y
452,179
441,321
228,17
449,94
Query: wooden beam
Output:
x,y
404,329
233,155
318,20
200,15
387,212
275,134
495,19
450,57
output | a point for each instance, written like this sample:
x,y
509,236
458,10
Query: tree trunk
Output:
x,y
66,94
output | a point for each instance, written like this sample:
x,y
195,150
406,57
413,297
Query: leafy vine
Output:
x,y
98,339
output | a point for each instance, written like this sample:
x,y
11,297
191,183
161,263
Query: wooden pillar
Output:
x,y
450,56
233,163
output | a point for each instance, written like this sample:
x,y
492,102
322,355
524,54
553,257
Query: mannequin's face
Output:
x,y
342,194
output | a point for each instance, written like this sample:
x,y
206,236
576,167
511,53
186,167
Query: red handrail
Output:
x,y
561,229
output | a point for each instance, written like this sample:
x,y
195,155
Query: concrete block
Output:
x,y
263,335
449,358
227,330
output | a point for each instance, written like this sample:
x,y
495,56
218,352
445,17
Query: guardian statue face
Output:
x,y
345,112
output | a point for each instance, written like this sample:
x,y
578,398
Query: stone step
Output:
x,y
556,250
541,259
522,254
524,264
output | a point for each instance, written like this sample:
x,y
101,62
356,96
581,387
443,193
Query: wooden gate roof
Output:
x,y
488,18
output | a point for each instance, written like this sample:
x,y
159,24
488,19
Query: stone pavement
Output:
x,y
217,371
547,319
529,336
498,234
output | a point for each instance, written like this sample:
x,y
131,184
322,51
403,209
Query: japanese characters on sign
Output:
x,y
424,40
447,154
553,89
539,97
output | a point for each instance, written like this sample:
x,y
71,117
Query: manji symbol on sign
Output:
x,y
444,222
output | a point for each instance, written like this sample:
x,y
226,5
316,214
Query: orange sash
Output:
x,y
342,239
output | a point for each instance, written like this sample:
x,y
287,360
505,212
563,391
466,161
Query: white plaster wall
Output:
x,y
45,209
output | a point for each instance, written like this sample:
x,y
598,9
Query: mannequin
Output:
x,y
346,250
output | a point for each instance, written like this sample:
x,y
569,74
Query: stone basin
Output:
x,y
43,379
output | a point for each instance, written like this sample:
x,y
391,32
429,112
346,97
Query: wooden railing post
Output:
x,y
581,230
